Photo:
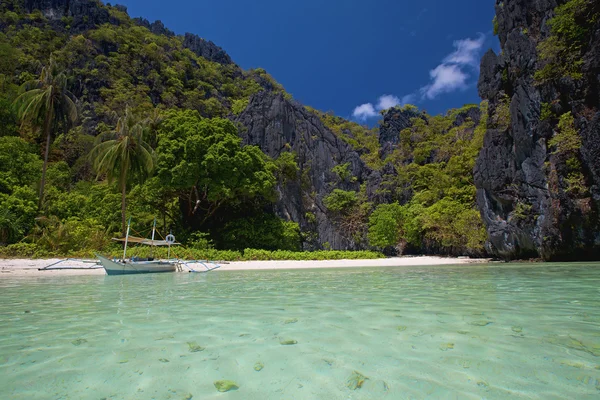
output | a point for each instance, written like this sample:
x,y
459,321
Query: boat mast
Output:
x,y
152,245
126,238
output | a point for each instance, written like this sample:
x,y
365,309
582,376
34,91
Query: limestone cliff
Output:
x,y
537,197
278,125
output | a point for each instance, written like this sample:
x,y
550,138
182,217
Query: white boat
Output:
x,y
137,265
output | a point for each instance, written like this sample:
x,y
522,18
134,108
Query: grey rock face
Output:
x,y
395,120
277,125
206,49
522,188
156,27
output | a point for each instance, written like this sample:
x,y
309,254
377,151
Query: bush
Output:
x,y
385,225
340,200
263,231
70,237
566,140
264,255
562,50
239,106
23,250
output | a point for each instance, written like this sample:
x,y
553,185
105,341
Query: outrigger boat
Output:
x,y
138,265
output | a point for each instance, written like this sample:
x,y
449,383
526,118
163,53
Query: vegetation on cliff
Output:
x,y
158,134
152,140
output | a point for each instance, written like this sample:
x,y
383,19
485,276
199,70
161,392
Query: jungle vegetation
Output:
x,y
116,121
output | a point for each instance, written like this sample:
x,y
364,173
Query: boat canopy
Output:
x,y
149,242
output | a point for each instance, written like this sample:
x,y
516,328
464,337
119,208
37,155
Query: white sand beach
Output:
x,y
28,267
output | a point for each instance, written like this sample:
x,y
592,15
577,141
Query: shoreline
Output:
x,y
30,267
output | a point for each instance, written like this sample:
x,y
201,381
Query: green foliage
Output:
x,y
86,200
205,181
47,103
19,164
19,167
262,231
576,184
18,213
22,250
452,226
343,172
502,117
124,156
567,145
362,139
546,112
8,118
522,211
59,176
561,52
239,106
340,201
434,160
445,226
200,241
566,140
287,167
70,237
206,157
385,225
567,21
264,255
495,25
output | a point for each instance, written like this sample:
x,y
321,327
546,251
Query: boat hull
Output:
x,y
113,267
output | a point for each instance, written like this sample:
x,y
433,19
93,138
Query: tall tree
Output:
x,y
124,156
48,102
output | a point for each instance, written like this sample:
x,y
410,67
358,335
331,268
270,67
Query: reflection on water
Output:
x,y
467,332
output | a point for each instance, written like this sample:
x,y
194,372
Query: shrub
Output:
x,y
385,225
24,250
561,51
566,140
239,106
340,200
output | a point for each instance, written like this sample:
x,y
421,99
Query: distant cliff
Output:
x,y
538,173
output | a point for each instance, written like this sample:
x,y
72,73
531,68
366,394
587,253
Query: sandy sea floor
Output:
x,y
28,267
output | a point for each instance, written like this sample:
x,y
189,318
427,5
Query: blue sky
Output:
x,y
348,56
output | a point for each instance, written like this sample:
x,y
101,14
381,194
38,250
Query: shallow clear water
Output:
x,y
452,332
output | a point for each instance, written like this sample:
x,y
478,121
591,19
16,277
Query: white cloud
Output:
x,y
467,52
446,78
387,101
364,112
455,70
454,73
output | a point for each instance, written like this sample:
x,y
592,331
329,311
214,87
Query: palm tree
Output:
x,y
125,155
151,125
47,101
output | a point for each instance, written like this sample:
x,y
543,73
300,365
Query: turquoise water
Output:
x,y
452,332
